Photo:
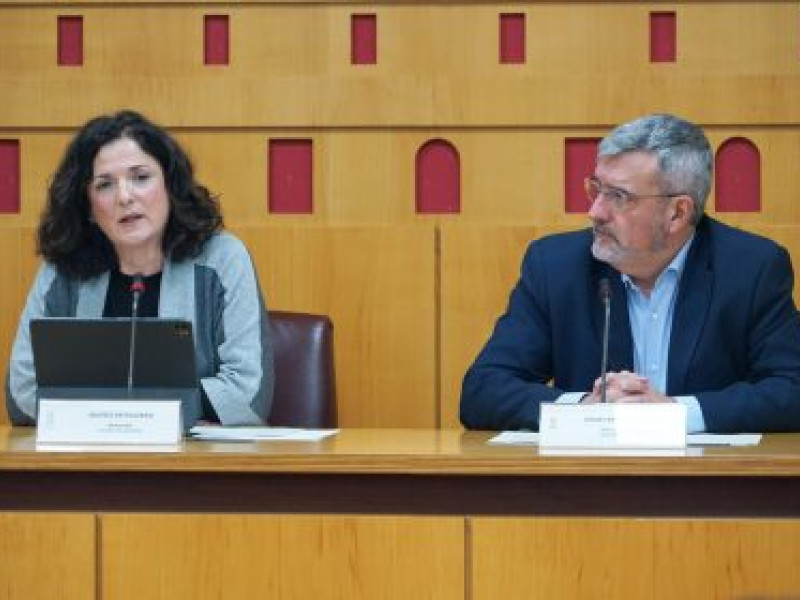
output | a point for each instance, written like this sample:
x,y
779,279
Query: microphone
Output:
x,y
137,289
605,297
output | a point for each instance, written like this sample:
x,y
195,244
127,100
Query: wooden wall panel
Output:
x,y
437,65
479,266
738,42
40,154
22,53
10,305
509,177
47,556
644,558
16,273
366,177
377,285
286,557
789,237
780,156
233,165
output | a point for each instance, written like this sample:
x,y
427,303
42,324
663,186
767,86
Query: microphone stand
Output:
x,y
137,288
605,296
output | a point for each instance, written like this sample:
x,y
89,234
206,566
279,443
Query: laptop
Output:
x,y
90,358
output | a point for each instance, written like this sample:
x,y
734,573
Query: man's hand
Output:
x,y
625,387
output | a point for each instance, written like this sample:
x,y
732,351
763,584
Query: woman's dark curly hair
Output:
x,y
69,239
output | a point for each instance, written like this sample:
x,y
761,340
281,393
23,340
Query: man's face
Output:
x,y
630,216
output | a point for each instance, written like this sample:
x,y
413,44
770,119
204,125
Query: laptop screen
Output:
x,y
90,358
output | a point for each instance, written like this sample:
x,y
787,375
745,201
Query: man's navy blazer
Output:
x,y
734,343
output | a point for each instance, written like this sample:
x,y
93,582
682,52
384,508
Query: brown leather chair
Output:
x,y
305,381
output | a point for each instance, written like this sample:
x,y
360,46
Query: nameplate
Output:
x,y
137,421
612,425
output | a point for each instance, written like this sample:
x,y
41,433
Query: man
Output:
x,y
701,313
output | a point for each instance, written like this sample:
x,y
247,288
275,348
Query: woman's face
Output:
x,y
129,200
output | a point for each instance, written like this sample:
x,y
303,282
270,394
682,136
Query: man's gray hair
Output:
x,y
685,158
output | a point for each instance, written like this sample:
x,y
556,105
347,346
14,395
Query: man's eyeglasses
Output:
x,y
620,198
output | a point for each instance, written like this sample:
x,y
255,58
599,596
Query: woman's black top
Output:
x,y
119,299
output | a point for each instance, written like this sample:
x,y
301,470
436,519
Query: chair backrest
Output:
x,y
305,380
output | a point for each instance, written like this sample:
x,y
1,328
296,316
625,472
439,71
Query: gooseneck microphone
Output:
x,y
137,289
605,297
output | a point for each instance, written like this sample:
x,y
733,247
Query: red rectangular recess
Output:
x,y
363,39
512,38
290,173
216,39
580,157
438,185
737,176
70,41
9,176
663,31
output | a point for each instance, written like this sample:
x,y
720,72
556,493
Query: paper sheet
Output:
x,y
531,438
257,434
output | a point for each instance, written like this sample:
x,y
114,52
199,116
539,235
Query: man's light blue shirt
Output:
x,y
651,325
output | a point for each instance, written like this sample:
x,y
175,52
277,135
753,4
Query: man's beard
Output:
x,y
606,248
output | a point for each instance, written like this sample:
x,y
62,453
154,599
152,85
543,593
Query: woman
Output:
x,y
124,202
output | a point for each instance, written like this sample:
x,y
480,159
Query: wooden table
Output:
x,y
398,514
